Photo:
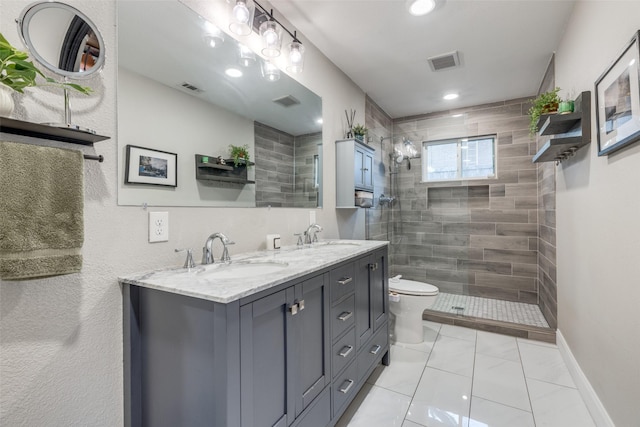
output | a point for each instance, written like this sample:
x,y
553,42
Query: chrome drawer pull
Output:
x,y
373,267
345,315
345,280
345,351
294,309
375,349
346,389
301,304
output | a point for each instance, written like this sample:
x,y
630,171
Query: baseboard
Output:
x,y
594,405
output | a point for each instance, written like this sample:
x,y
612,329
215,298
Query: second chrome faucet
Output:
x,y
207,253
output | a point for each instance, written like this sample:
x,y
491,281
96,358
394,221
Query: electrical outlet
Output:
x,y
158,227
312,217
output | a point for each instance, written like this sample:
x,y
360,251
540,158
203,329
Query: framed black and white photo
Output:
x,y
618,101
149,166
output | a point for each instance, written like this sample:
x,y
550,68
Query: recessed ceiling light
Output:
x,y
420,7
457,115
450,96
233,72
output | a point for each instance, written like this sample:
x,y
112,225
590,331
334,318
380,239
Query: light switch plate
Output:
x,y
158,227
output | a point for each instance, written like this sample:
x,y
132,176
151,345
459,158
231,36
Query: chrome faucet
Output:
x,y
207,253
315,228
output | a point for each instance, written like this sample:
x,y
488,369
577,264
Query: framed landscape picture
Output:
x,y
618,101
149,166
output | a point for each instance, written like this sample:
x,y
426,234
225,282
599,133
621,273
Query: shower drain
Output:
x,y
457,309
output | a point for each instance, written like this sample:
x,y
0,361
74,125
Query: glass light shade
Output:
x,y
296,57
271,36
242,17
246,56
270,72
212,36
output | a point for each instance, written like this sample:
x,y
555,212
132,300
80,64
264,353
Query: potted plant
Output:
x,y
545,103
359,132
239,154
18,73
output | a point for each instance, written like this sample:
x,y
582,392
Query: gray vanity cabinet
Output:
x,y
293,355
284,345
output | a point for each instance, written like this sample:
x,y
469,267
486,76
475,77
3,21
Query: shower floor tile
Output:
x,y
488,308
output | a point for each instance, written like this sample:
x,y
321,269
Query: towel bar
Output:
x,y
99,158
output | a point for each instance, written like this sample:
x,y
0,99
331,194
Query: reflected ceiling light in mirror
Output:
x,y
296,57
242,17
420,7
271,38
319,121
450,96
233,72
270,72
212,36
246,57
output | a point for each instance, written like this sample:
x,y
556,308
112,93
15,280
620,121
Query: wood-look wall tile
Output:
x,y
516,256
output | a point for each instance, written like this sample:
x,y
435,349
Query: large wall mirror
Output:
x,y
174,95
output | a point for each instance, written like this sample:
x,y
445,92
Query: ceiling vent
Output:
x,y
191,88
445,61
286,101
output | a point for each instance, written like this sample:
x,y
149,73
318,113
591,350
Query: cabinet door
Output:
x,y
266,348
358,168
368,170
379,288
364,320
312,355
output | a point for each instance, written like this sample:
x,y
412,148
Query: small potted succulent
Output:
x,y
239,154
359,132
545,103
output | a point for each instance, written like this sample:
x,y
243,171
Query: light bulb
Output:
x,y
241,12
270,36
296,57
420,7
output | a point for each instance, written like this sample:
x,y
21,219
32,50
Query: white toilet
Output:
x,y
407,300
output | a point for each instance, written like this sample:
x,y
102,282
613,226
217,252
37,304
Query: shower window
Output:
x,y
459,159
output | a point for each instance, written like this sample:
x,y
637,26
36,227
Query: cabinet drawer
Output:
x,y
344,388
342,281
372,352
344,351
342,316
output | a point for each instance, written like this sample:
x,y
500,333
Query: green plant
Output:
x,y
545,103
359,130
238,152
19,73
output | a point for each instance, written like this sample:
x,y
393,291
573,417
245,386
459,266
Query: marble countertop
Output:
x,y
251,272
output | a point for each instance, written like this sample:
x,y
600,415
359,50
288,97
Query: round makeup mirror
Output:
x,y
62,39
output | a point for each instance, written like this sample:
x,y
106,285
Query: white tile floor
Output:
x,y
466,378
489,308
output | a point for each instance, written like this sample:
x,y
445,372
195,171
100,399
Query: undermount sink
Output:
x,y
242,269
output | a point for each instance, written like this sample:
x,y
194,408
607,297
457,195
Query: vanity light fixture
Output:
x,y
271,34
270,72
271,38
450,96
242,17
246,56
420,7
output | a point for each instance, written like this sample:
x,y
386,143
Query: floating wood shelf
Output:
x,y
37,130
208,169
571,131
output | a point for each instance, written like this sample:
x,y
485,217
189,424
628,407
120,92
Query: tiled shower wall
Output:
x,y
476,237
280,158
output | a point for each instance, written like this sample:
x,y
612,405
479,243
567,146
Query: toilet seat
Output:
x,y
411,287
